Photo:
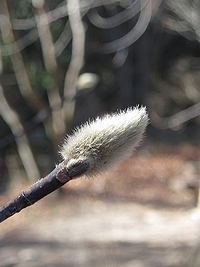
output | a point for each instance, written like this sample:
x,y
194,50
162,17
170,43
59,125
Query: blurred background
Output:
x,y
63,62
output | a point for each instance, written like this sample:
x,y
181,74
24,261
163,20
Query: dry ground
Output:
x,y
140,214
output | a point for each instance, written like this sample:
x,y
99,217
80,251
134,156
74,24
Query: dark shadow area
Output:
x,y
19,252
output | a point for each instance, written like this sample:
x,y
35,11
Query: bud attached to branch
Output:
x,y
93,148
104,142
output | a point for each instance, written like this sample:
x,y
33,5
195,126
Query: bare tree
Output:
x,y
182,18
55,125
58,108
10,116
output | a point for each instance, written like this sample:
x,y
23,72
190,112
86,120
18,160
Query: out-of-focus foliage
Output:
x,y
136,48
22,8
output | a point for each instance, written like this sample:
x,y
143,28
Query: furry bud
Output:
x,y
102,143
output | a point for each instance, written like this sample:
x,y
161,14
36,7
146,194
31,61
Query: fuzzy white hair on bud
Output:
x,y
100,144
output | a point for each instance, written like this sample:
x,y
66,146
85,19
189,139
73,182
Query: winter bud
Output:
x,y
104,142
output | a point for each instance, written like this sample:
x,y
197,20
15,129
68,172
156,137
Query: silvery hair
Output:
x,y
101,143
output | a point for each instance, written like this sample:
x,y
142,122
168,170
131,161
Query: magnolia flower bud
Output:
x,y
104,142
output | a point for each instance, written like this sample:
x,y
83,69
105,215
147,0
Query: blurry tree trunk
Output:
x,y
25,153
9,115
77,58
18,65
57,123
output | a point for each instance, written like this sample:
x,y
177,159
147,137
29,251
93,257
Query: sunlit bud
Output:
x,y
102,143
87,81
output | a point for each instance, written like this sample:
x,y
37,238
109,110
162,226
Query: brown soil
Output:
x,y
140,214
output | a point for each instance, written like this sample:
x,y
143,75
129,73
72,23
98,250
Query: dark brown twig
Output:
x,y
57,178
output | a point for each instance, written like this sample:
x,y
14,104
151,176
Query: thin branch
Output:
x,y
132,36
25,153
29,23
50,65
18,45
92,149
57,178
63,40
84,82
177,119
55,14
59,12
19,68
116,20
76,63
